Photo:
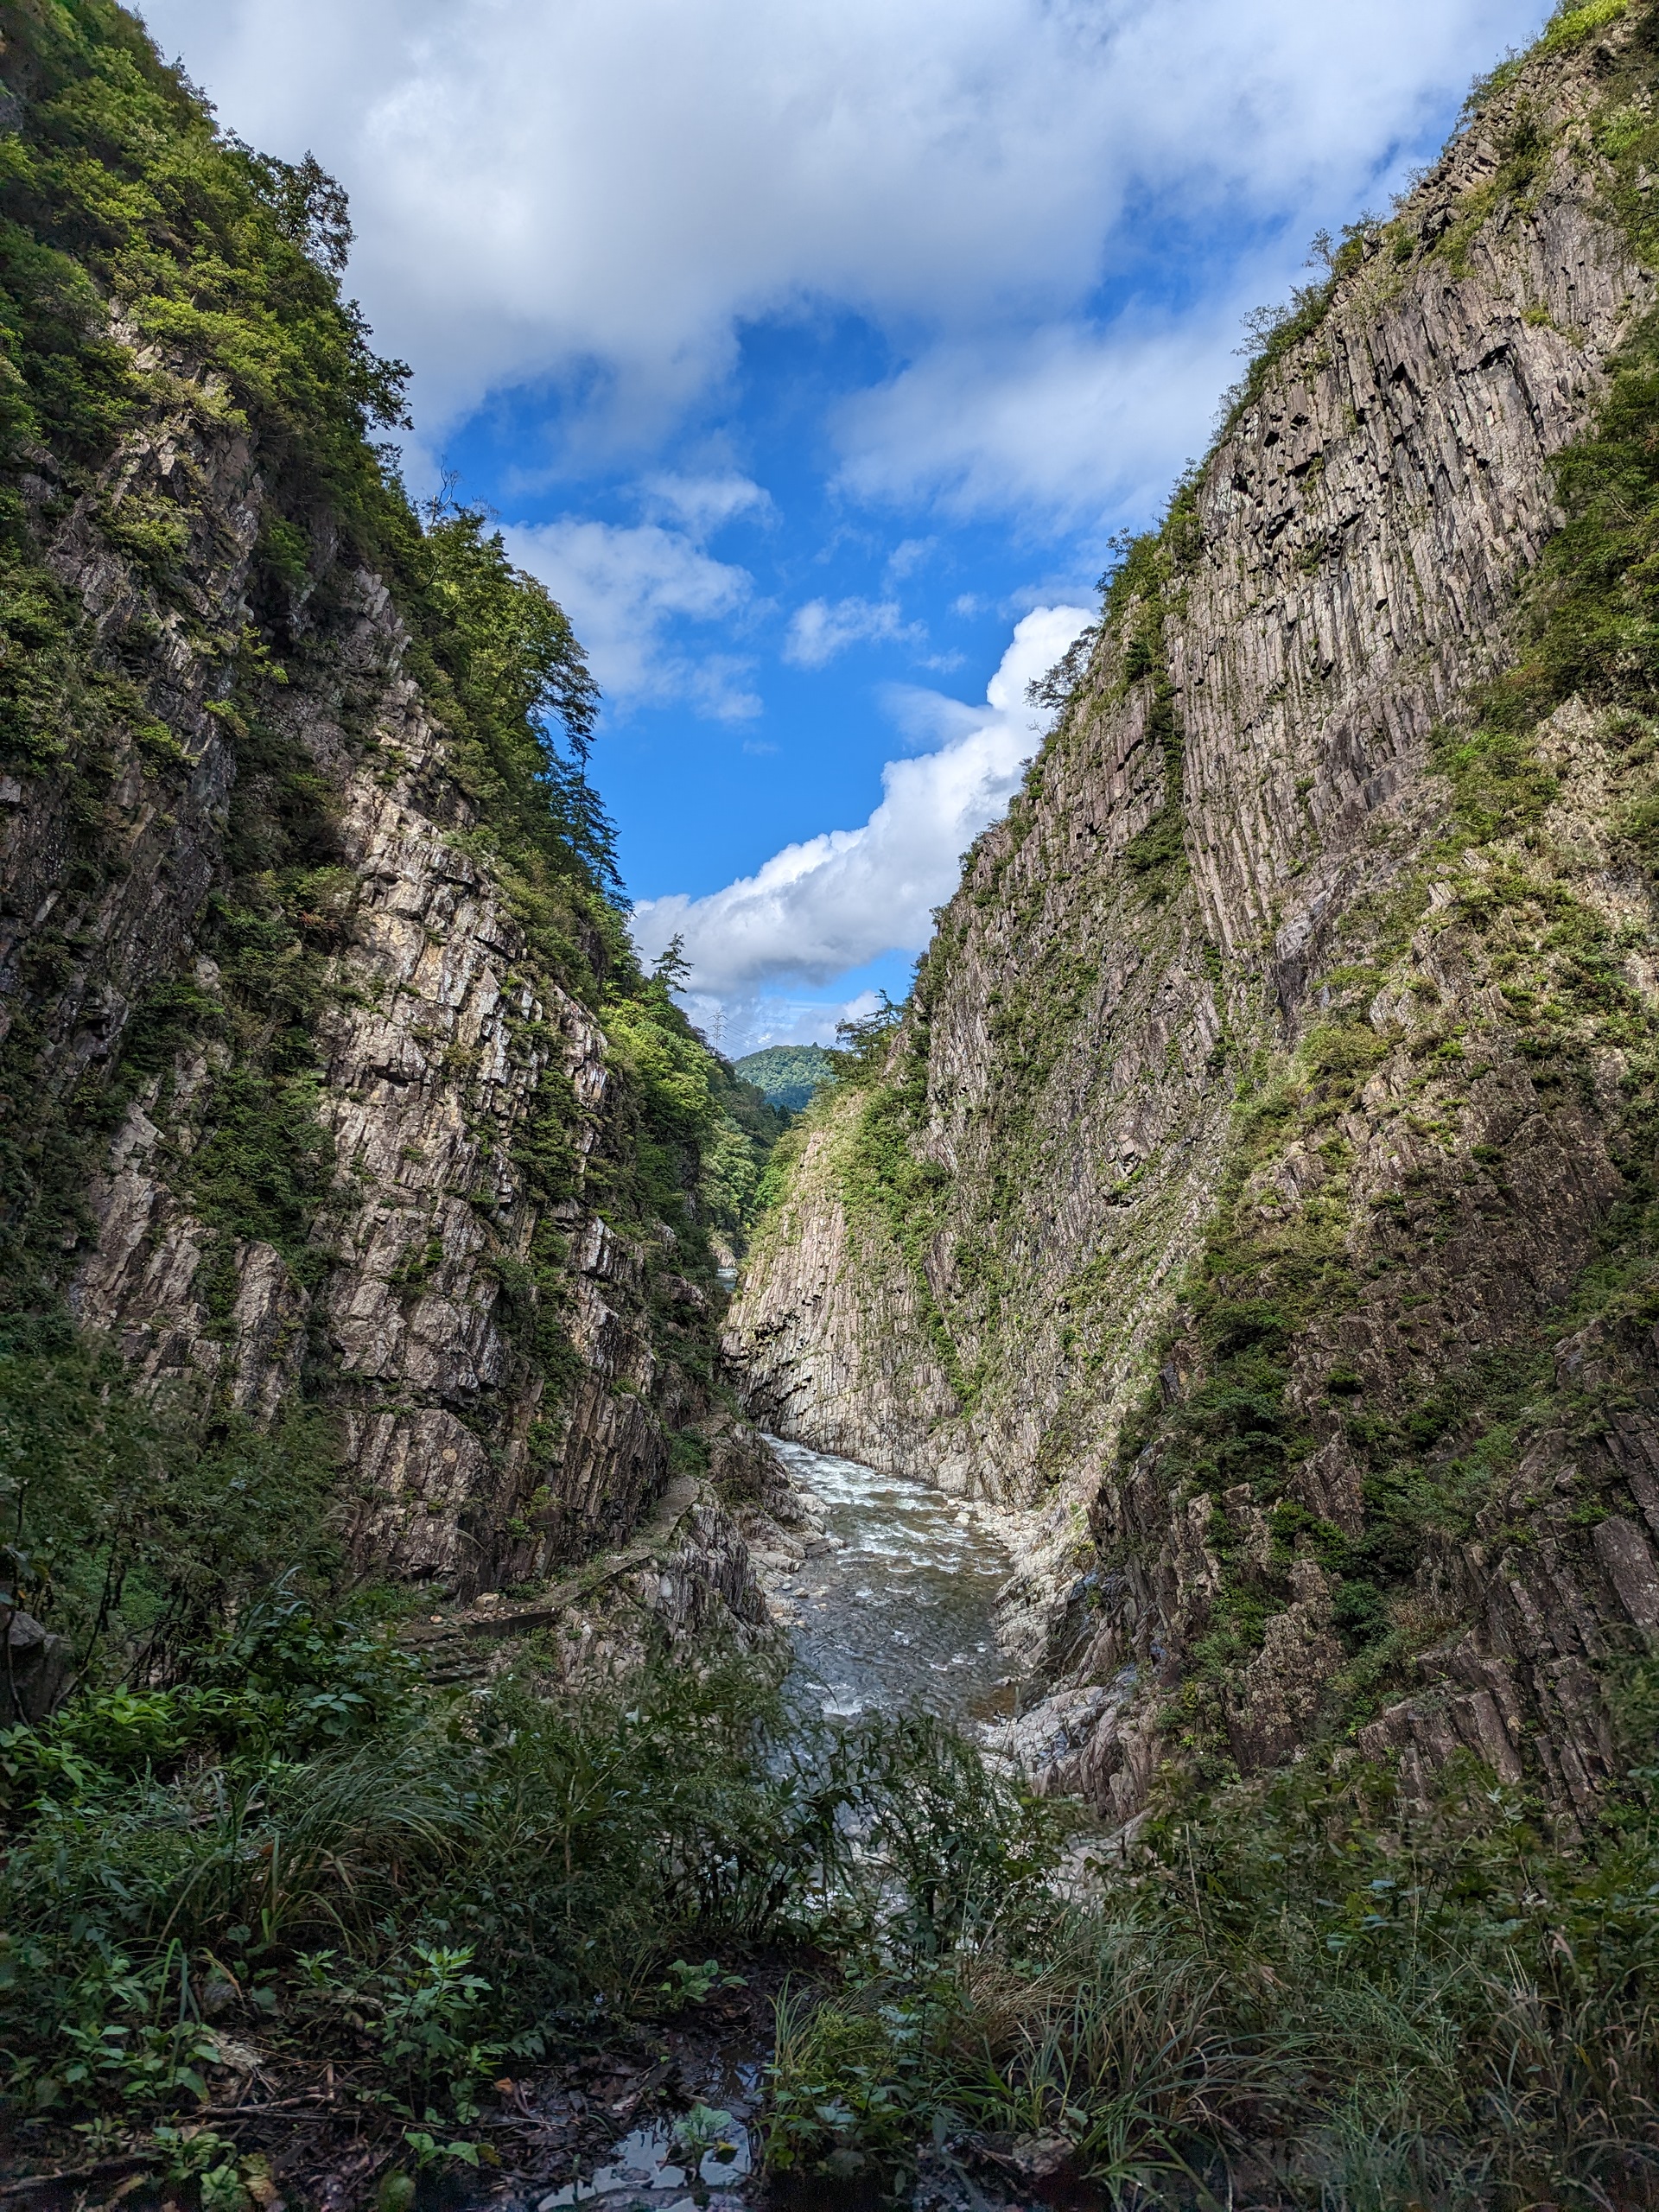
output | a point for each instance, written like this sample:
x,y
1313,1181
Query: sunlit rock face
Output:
x,y
1247,983
438,1035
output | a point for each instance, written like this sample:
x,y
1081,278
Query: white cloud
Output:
x,y
820,630
704,503
1067,419
908,555
818,909
746,1023
622,585
601,191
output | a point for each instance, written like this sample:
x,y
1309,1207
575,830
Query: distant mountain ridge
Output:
x,y
787,1075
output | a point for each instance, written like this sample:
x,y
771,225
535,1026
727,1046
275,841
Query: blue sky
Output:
x,y
812,353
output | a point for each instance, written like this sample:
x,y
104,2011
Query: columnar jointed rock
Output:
x,y
1102,993
438,1036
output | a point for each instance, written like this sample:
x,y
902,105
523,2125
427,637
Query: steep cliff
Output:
x,y
353,1174
1257,1189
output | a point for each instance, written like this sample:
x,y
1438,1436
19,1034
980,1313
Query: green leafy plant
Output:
x,y
709,2135
848,2093
429,2152
689,1985
431,2012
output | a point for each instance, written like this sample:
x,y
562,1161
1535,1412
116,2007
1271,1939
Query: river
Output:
x,y
894,1613
890,1610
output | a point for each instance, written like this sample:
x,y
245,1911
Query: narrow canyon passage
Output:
x,y
455,1755
890,1611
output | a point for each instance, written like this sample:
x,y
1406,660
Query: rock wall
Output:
x,y
501,1371
1116,1103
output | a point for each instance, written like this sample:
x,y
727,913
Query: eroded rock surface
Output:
x,y
1238,839
417,1299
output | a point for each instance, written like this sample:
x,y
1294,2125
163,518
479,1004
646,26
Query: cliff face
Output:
x,y
335,1097
1287,1049
434,1037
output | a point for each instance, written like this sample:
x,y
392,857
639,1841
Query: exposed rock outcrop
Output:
x,y
36,1670
310,1006
1224,1077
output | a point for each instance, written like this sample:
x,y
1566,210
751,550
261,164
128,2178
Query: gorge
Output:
x,y
1257,1169
1246,1224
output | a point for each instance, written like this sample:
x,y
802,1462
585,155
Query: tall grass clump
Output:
x,y
1305,1994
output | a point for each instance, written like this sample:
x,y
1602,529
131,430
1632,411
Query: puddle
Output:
x,y
654,2166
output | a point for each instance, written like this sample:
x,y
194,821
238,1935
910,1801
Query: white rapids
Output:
x,y
893,1613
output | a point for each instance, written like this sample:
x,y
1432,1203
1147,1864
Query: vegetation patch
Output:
x,y
788,1076
1302,1995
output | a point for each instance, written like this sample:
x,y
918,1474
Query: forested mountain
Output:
x,y
787,1075
342,1118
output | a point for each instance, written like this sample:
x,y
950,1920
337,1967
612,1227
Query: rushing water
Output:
x,y
896,1616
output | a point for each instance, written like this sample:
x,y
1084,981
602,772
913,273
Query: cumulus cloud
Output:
x,y
704,503
623,586
820,908
821,629
601,191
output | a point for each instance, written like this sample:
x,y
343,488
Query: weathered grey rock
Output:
x,y
439,1034
38,1670
1628,1559
1351,571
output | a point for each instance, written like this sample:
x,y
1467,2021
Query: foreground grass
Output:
x,y
1302,1996
303,1847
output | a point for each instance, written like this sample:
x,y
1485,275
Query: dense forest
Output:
x,y
787,1075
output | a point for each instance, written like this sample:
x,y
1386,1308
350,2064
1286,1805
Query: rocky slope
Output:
x,y
336,1099
1256,1191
